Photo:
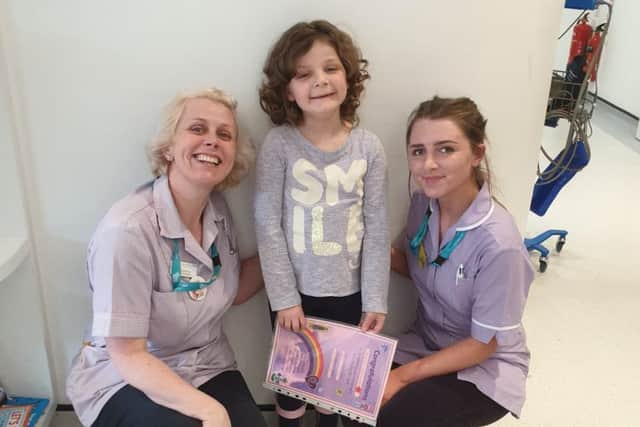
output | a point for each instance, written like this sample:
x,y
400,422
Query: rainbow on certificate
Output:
x,y
316,361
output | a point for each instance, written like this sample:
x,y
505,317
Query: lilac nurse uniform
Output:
x,y
479,292
129,263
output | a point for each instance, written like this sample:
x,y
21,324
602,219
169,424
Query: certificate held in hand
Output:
x,y
332,365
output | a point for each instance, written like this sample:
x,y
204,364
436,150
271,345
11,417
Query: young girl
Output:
x,y
320,209
465,360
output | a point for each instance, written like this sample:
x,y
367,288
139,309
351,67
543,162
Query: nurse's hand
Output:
x,y
217,417
372,322
292,318
394,385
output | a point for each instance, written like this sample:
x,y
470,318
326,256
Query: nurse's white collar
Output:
x,y
476,214
169,221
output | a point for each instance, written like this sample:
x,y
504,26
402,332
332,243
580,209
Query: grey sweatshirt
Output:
x,y
321,219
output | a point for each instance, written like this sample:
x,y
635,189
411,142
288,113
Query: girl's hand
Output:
x,y
292,318
372,322
394,385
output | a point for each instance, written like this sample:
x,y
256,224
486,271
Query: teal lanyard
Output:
x,y
176,270
417,247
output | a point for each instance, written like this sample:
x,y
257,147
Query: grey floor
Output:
x,y
581,315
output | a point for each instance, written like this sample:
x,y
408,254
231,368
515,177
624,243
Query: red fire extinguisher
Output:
x,y
592,48
581,35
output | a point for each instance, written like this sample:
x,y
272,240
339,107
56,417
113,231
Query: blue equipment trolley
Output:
x,y
569,99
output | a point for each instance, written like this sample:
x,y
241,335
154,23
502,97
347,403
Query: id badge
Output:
x,y
188,271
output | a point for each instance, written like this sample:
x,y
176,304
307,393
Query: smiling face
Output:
x,y
204,146
441,158
319,85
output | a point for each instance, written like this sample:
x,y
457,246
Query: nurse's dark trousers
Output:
x,y
130,407
443,401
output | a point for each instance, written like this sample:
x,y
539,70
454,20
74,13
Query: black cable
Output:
x,y
572,24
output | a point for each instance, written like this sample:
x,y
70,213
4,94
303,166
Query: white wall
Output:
x,y
619,71
620,75
12,222
95,75
24,365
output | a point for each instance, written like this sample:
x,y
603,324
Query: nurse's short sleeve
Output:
x,y
499,296
120,273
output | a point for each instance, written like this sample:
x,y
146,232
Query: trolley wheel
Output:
x,y
543,264
560,243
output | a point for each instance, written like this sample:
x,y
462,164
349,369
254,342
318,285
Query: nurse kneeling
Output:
x,y
163,266
465,360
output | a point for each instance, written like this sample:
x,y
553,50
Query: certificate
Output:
x,y
332,365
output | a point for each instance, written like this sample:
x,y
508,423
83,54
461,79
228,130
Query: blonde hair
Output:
x,y
157,150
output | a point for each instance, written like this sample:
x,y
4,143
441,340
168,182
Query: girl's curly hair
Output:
x,y
280,68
